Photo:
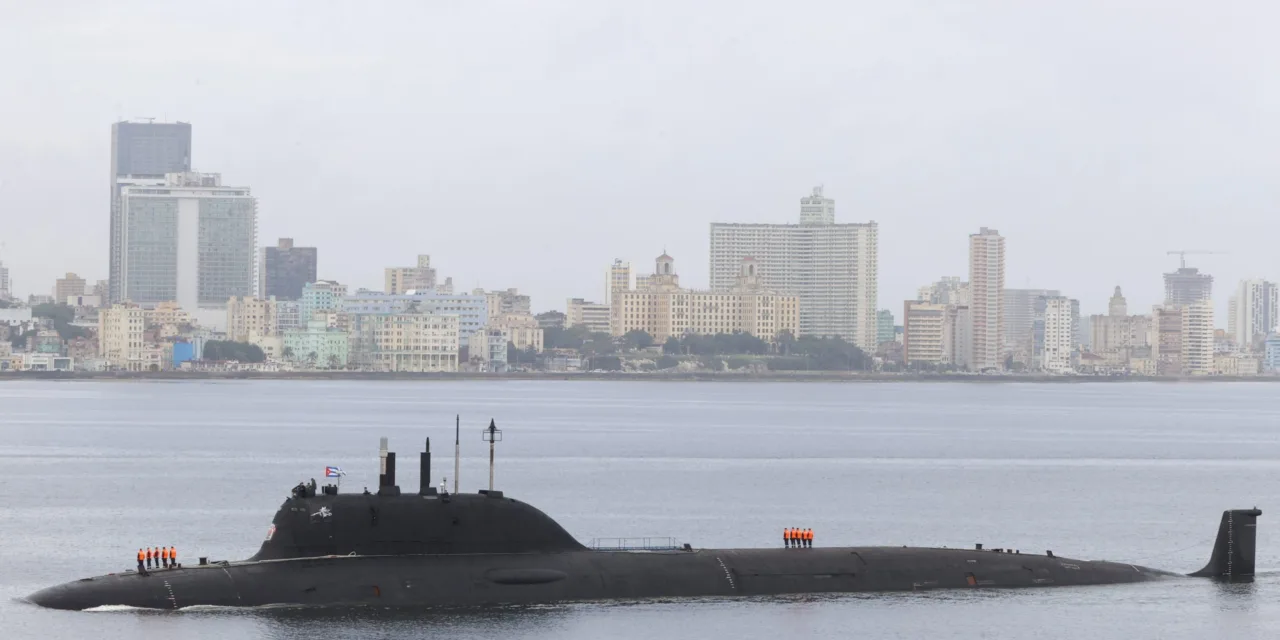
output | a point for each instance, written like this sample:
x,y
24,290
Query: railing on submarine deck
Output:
x,y
634,544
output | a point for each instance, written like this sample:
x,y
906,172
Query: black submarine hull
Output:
x,y
533,578
436,549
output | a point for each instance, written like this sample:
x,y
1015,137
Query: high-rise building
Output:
x,y
665,310
986,301
120,337
1197,339
1021,307
140,150
1253,312
617,280
67,286
285,268
5,291
1271,354
420,278
885,331
1183,342
1061,315
922,334
1117,336
1187,285
190,239
831,267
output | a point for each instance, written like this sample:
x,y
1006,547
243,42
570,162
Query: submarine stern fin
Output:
x,y
1233,551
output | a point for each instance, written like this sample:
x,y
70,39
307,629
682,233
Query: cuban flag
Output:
x,y
334,472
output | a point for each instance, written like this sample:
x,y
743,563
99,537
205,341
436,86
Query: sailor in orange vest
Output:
x,y
786,537
173,557
164,556
151,553
142,555
808,538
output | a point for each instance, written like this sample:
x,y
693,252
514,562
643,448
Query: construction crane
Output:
x,y
1182,254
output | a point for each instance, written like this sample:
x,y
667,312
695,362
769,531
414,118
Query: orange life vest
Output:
x,y
164,553
151,553
173,553
142,555
786,534
808,534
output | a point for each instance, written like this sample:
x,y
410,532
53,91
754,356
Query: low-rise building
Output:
x,y
248,317
592,315
1236,364
487,350
405,342
664,310
317,344
1271,354
522,330
471,310
167,313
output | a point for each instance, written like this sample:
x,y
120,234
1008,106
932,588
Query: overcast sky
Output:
x,y
528,144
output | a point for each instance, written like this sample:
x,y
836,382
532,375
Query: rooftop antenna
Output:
x,y
491,435
149,119
457,449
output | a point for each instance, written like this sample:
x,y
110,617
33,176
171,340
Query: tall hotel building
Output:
x,y
831,267
140,151
986,300
186,238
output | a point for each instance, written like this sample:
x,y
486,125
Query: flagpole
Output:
x,y
457,449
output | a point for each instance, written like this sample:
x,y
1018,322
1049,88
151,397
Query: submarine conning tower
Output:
x,y
389,522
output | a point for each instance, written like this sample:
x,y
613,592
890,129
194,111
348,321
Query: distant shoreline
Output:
x,y
813,376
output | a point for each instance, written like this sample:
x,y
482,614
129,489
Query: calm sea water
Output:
x,y
1132,472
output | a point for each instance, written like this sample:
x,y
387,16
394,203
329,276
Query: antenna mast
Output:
x,y
491,435
457,449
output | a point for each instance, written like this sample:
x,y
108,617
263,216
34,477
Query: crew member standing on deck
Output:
x,y
142,555
786,537
808,538
164,556
151,553
173,557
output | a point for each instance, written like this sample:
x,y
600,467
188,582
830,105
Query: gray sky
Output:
x,y
527,144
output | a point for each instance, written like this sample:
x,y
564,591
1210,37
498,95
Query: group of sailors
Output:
x,y
160,556
797,538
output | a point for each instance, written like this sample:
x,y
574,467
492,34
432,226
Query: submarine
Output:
x,y
432,548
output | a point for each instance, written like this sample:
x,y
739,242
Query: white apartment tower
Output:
x,y
986,298
1253,312
187,239
1197,338
1059,332
831,267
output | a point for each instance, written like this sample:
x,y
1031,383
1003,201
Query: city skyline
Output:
x,y
1123,170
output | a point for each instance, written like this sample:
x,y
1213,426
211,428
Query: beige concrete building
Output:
x,y
422,277
923,326
986,304
617,280
501,303
408,342
664,309
250,318
167,313
66,287
522,330
1236,364
595,316
1183,339
120,337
